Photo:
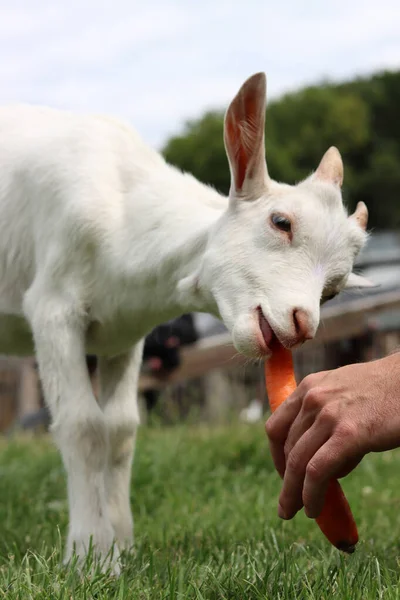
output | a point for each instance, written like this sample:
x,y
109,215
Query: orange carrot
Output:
x,y
336,520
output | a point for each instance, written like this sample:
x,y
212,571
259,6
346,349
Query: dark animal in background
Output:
x,y
162,351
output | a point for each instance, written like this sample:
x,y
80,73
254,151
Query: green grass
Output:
x,y
204,502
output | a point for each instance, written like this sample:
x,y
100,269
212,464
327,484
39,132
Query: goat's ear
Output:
x,y
357,281
330,169
360,215
188,289
244,139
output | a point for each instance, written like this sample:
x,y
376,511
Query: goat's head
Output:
x,y
279,251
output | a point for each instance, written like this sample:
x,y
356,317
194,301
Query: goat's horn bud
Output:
x,y
361,215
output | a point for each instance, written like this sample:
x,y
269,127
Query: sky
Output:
x,y
158,63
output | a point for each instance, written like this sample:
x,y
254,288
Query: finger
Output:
x,y
278,457
277,428
301,424
291,496
330,461
350,465
313,401
279,424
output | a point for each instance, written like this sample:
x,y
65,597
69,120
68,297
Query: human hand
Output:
x,y
323,430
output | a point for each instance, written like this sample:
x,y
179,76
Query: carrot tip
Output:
x,y
346,547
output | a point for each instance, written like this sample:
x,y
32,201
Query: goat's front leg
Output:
x,y
78,424
118,398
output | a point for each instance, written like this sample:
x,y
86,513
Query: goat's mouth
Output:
x,y
266,337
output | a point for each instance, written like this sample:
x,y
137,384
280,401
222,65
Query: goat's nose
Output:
x,y
302,325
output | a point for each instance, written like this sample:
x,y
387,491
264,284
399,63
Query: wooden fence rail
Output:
x,y
349,319
345,320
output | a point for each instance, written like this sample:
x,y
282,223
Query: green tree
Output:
x,y
200,150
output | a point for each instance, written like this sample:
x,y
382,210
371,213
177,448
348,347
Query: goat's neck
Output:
x,y
164,240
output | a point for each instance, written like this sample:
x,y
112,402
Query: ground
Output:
x,y
205,502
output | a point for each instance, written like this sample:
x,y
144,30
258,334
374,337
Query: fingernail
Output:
x,y
281,512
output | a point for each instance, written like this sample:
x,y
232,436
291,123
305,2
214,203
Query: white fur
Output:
x,y
101,240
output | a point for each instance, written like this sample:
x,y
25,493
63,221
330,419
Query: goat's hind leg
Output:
x,y
79,426
118,398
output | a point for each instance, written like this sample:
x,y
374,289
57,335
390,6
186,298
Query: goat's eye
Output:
x,y
281,223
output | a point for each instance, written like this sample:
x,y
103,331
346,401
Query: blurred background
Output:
x,y
170,68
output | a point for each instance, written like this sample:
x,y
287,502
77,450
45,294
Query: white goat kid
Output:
x,y
101,240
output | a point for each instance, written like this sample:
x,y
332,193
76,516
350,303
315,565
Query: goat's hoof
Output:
x,y
93,556
124,539
123,528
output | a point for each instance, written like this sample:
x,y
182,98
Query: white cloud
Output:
x,y
159,62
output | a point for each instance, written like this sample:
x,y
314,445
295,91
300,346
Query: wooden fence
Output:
x,y
346,320
354,319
